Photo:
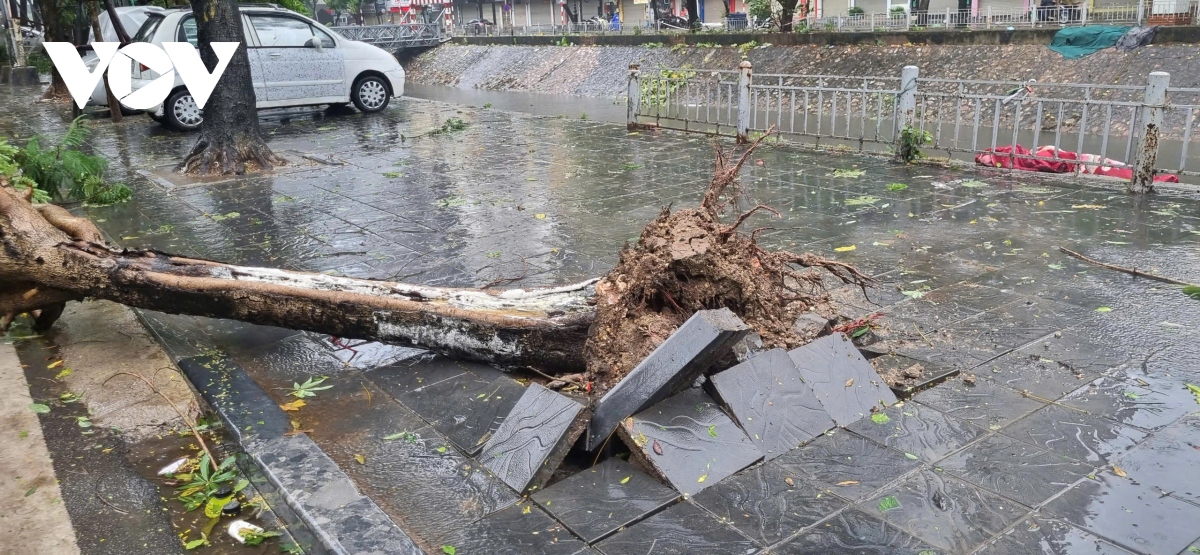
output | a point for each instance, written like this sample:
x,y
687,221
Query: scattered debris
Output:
x,y
171,468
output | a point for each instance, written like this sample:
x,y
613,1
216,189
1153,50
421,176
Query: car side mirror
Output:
x,y
315,43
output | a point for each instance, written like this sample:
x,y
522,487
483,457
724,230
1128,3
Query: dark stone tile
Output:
x,y
841,457
326,500
985,404
854,532
1075,434
187,336
522,529
293,360
1135,516
1042,377
946,512
771,402
907,376
466,409
413,374
1015,469
1147,402
707,336
1004,328
681,530
366,355
767,503
689,441
845,383
597,501
969,296
531,442
920,430
1169,460
247,411
1047,536
1075,351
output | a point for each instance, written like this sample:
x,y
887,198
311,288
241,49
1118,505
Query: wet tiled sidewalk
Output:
x,y
1074,369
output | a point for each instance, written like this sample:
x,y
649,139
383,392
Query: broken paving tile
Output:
x,y
1133,515
366,355
681,530
769,399
465,408
944,511
707,336
1076,434
907,375
845,383
531,442
985,404
922,431
689,441
846,464
1168,460
1137,400
408,375
598,501
522,529
767,503
854,532
1015,469
1047,536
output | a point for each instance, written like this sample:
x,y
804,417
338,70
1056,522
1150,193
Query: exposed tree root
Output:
x,y
688,260
229,156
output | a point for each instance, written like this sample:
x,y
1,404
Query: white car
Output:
x,y
294,61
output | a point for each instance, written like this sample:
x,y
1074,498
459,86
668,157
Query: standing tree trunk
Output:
x,y
693,8
229,135
53,30
114,107
787,12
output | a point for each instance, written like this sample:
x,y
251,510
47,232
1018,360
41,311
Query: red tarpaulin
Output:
x,y
1045,160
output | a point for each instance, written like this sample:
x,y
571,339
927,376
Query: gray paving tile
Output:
x,y
767,503
845,383
984,404
406,376
689,441
922,431
522,529
680,530
1076,434
1169,460
1048,536
907,376
707,336
1137,400
366,355
771,402
531,442
596,502
1075,351
465,408
854,532
1015,469
1042,377
946,512
845,463
1135,516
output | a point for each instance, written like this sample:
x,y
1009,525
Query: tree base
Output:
x,y
232,155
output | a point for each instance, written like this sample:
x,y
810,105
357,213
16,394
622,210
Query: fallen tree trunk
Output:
x,y
48,257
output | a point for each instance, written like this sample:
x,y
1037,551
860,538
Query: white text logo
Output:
x,y
179,57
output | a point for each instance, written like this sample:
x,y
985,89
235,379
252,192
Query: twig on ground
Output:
x,y
1131,271
186,419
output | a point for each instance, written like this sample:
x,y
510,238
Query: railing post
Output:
x,y
989,17
906,105
745,69
634,97
1141,12
1152,116
1083,12
947,18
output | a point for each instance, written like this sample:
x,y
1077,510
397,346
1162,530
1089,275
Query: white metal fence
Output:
x,y
1149,127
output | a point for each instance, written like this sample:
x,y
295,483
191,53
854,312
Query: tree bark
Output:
x,y
230,135
53,29
48,257
787,12
114,106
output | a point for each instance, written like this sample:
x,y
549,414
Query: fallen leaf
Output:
x,y
712,431
528,509
790,482
845,249
911,456
540,216
361,459
54,365
1104,309
293,406
63,373
657,448
625,480
1118,471
1087,206
449,550
30,491
441,449
850,382
880,418
39,408
888,503
703,478
847,483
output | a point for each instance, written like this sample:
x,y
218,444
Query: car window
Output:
x,y
146,31
187,31
276,31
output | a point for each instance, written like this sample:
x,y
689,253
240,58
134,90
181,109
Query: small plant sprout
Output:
x,y
309,388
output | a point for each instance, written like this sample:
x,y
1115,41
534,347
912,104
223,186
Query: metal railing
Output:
x,y
1092,128
1184,12
395,36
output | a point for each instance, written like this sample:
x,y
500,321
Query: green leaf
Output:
x,y
888,503
449,550
394,436
83,421
911,456
212,509
712,431
880,418
1194,549
1103,309
915,294
241,485
625,480
1192,291
896,187
195,543
39,408
1131,395
441,449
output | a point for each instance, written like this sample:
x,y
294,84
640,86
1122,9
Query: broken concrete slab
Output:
x,y
771,402
529,445
600,500
689,442
465,408
707,336
843,380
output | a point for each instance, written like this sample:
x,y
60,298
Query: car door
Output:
x,y
188,33
301,64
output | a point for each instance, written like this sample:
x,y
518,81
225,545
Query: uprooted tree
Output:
x,y
683,262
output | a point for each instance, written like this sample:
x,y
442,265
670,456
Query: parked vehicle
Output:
x,y
294,61
478,26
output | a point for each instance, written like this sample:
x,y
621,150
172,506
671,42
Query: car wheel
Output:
x,y
370,94
181,112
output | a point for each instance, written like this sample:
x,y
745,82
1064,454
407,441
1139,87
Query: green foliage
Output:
x,y
254,538
199,486
309,388
897,10
911,141
62,167
297,6
657,91
653,45
760,10
562,42
39,59
344,6
1192,291
746,47
856,11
